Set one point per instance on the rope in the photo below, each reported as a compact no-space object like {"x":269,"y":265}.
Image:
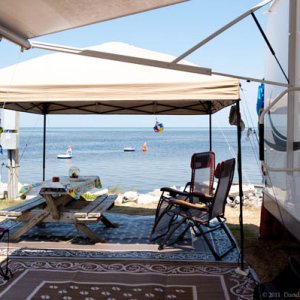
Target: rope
{"x":269,"y":46}
{"x":233,"y":153}
{"x":254,"y":149}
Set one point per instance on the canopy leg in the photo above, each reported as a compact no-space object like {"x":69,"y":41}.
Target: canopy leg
{"x":239,"y":166}
{"x":44,"y":147}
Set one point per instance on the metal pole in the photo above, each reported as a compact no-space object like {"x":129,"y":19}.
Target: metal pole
{"x":224,"y":28}
{"x":239,"y":167}
{"x":44,"y":147}
{"x":210,"y":134}
{"x":146,"y":62}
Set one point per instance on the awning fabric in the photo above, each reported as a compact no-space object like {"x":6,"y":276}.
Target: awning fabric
{"x":69,"y":84}
{"x":31,"y":18}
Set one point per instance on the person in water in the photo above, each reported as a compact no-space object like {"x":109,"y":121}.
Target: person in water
{"x":69,"y":150}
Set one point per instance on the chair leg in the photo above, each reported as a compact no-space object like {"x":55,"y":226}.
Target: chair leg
{"x":5,"y":272}
{"x":173,"y":218}
{"x":182,"y":234}
{"x":170,"y":233}
{"x":166,"y":212}
{"x":209,"y":244}
{"x":157,"y":214}
{"x":228,"y":234}
{"x":216,"y":255}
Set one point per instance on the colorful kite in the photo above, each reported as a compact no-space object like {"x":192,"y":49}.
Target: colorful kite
{"x":158,"y":127}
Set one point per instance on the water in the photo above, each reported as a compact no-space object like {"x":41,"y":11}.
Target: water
{"x":99,"y":151}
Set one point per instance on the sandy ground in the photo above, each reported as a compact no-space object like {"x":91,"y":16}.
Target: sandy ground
{"x":251,"y":215}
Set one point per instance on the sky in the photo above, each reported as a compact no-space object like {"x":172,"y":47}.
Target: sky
{"x":171,"y":30}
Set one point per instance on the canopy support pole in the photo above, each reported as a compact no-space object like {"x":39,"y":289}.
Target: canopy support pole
{"x":224,"y":28}
{"x":122,"y":58}
{"x":210,"y":133}
{"x":146,"y":62}
{"x":44,"y":142}
{"x":239,"y":167}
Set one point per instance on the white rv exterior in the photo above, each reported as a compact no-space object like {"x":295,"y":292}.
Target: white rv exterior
{"x":282,"y":123}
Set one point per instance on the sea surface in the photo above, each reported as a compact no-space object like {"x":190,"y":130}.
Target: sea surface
{"x":99,"y":151}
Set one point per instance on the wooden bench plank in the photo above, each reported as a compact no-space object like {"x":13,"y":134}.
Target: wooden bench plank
{"x":17,"y":210}
{"x":92,"y":205}
{"x":33,"y":221}
{"x":96,"y":208}
{"x":102,"y":207}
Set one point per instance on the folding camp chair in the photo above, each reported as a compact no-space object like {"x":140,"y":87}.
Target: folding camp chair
{"x":5,"y":271}
{"x":205,"y":218}
{"x":202,"y":178}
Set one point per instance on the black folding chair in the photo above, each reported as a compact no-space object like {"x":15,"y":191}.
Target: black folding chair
{"x":202,"y":179}
{"x":205,"y":218}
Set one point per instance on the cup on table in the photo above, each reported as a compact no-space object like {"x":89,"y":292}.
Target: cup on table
{"x":55,"y":179}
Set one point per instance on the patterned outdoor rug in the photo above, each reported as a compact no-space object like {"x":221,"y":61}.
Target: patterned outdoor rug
{"x":129,"y":241}
{"x":95,"y":279}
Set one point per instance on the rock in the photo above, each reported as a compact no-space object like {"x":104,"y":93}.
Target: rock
{"x":146,"y":199}
{"x":247,"y":190}
{"x":130,"y":196}
{"x":155,"y":193}
{"x":119,"y":200}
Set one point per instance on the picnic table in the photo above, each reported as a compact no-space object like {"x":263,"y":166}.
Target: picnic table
{"x":62,"y":202}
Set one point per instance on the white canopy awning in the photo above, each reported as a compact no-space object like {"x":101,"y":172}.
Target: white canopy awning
{"x":21,"y":20}
{"x":69,"y":84}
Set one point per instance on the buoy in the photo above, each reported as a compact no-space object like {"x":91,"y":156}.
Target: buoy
{"x":144,"y":147}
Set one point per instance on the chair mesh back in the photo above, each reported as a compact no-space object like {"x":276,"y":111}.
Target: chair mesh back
{"x":203,"y":165}
{"x":225,"y":174}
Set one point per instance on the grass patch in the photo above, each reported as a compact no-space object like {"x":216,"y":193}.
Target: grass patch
{"x":267,"y":257}
{"x":250,"y":231}
{"x":142,"y":211}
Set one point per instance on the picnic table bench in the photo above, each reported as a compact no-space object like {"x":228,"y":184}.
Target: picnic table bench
{"x":57,"y":206}
{"x":16,"y":211}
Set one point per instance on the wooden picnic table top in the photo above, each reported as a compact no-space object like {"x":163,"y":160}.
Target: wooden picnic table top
{"x":75,"y":187}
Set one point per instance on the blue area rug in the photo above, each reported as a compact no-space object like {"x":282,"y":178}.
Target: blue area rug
{"x":132,"y":230}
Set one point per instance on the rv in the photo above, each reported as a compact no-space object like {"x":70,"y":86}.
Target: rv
{"x":281,"y":147}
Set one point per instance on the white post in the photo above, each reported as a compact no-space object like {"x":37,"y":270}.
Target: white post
{"x":10,"y":141}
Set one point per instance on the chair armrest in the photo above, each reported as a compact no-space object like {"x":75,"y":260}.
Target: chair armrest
{"x":174,"y":192}
{"x":190,"y":205}
{"x":205,"y":198}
